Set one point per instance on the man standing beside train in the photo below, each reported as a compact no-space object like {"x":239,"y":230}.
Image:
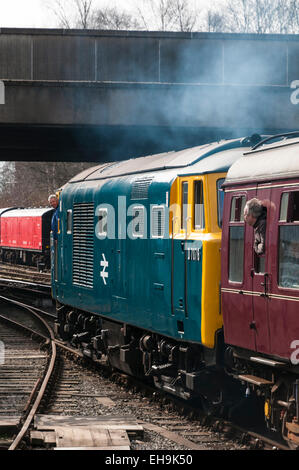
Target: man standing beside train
{"x":255,"y":214}
{"x":53,"y":201}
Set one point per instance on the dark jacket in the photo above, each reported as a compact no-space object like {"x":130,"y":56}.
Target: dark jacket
{"x":54,"y":224}
{"x":260,"y":233}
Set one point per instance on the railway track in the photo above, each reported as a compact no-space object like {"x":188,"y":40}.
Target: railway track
{"x":24,"y":372}
{"x":24,"y":273}
{"x":81,"y":388}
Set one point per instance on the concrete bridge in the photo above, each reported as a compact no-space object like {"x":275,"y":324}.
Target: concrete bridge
{"x":102,"y":95}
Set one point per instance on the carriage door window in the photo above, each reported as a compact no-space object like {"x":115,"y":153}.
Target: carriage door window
{"x":288,"y":271}
{"x":236,"y":239}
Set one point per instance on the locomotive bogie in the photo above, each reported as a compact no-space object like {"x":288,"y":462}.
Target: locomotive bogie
{"x":174,"y":366}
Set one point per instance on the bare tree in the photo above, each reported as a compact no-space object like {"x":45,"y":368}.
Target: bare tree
{"x":185,"y":17}
{"x":83,"y":14}
{"x":84,"y":8}
{"x":6,"y":184}
{"x":215,"y":22}
{"x":112,"y":18}
{"x":258,"y":16}
{"x":29,"y":184}
{"x":167,"y":15}
{"x":156,"y":14}
{"x":73,"y":13}
{"x":287,"y":16}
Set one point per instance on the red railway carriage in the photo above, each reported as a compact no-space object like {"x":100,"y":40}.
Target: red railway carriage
{"x":260,"y":293}
{"x":25,"y":235}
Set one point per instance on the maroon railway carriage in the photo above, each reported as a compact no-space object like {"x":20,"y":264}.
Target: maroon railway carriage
{"x":260,"y":294}
{"x":25,"y":236}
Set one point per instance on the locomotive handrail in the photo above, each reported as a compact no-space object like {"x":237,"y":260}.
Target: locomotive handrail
{"x":276,"y":136}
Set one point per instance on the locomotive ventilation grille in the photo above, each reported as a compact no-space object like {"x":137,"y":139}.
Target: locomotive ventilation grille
{"x":83,"y":244}
{"x":140,"y":188}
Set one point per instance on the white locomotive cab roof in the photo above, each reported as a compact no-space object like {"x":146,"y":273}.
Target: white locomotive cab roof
{"x":269,"y":162}
{"x":162,"y":161}
{"x":38,"y":212}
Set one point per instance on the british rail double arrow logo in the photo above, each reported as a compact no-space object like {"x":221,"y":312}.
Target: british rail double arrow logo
{"x":105,"y":265}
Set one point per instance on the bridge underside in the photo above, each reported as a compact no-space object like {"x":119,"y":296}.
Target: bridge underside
{"x":99,"y":96}
{"x":105,"y":143}
{"x":44,"y":121}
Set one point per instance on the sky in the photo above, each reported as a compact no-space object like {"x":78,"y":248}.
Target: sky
{"x":36,"y":13}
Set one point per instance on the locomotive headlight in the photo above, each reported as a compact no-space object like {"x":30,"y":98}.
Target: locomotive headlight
{"x":267,"y":409}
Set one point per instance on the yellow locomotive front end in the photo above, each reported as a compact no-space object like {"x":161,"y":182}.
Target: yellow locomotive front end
{"x":195,"y":228}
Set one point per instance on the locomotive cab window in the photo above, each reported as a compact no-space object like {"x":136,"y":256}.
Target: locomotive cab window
{"x":236,"y":239}
{"x":198,"y":208}
{"x":288,"y":246}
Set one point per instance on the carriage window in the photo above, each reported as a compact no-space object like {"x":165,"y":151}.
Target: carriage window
{"x":69,"y":221}
{"x":138,"y":222}
{"x":237,"y":209}
{"x":289,"y":208}
{"x":236,"y":253}
{"x":220,"y":200}
{"x":184,"y":211}
{"x":284,"y":207}
{"x":103,"y":216}
{"x":289,"y":256}
{"x":198,"y":210}
{"x":288,"y":273}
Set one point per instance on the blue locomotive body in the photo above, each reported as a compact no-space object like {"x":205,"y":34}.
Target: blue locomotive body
{"x":126,"y":278}
{"x":137,"y":263}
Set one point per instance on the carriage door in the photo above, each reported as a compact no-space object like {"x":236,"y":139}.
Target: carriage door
{"x":178,"y":280}
{"x":261,"y":280}
{"x":236,"y":283}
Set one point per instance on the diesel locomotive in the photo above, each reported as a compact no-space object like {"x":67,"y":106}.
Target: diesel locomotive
{"x":154,"y":268}
{"x":137,"y":264}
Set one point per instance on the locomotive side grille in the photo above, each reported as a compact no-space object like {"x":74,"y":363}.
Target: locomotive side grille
{"x":140,"y":188}
{"x":83,"y":244}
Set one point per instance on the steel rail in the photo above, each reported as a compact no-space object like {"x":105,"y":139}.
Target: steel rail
{"x":42,"y":389}
{"x":47,"y":376}
{"x":223,"y":423}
